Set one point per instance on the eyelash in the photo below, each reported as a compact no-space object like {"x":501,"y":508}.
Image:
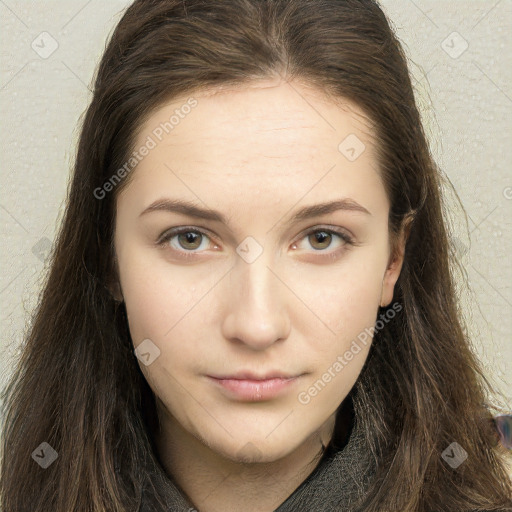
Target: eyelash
{"x":165,"y":237}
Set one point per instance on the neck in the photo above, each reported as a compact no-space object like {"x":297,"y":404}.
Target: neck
{"x":214,"y":483}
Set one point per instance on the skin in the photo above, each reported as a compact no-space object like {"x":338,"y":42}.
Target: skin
{"x":257,"y":154}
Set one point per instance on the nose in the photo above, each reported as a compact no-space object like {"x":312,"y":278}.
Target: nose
{"x":257,"y":314}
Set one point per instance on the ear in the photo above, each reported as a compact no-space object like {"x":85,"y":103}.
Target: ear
{"x":114,"y":286}
{"x":115,"y":291}
{"x":395,"y":263}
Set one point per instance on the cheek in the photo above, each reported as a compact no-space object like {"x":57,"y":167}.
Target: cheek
{"x":345,"y":297}
{"x":348,"y":304}
{"x":149,"y":300}
{"x":166,"y":306}
{"x":349,"y":308}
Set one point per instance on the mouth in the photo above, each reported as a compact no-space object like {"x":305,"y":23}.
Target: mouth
{"x":251,"y":389}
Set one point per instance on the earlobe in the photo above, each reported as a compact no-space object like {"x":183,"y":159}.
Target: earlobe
{"x":392,"y":273}
{"x":396,"y":260}
{"x":115,"y":291}
{"x":114,"y":287}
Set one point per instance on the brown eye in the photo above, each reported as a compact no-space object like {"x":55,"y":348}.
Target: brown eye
{"x":185,"y":241}
{"x":323,"y":241}
{"x":322,"y":238}
{"x":190,"y":239}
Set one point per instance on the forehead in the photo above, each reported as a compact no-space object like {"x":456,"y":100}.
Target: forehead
{"x":275,"y":114}
{"x":267,"y":136}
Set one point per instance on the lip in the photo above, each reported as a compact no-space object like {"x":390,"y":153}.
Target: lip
{"x":248,"y":375}
{"x":254,"y":390}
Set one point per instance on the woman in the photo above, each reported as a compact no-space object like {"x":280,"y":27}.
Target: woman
{"x":250,"y":305}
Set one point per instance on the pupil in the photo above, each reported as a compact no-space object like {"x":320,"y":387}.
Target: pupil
{"x":322,"y":235}
{"x":190,"y":237}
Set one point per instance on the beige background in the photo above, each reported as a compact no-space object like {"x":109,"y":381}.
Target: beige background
{"x":460,"y":53}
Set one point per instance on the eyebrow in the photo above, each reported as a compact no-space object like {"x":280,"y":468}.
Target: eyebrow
{"x":192,"y":210}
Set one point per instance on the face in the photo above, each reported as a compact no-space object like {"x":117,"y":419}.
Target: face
{"x":254,"y":290}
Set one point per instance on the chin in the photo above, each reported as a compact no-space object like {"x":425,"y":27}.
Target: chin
{"x":250,"y":452}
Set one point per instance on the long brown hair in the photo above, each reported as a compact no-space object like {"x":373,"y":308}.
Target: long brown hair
{"x":78,"y":386}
